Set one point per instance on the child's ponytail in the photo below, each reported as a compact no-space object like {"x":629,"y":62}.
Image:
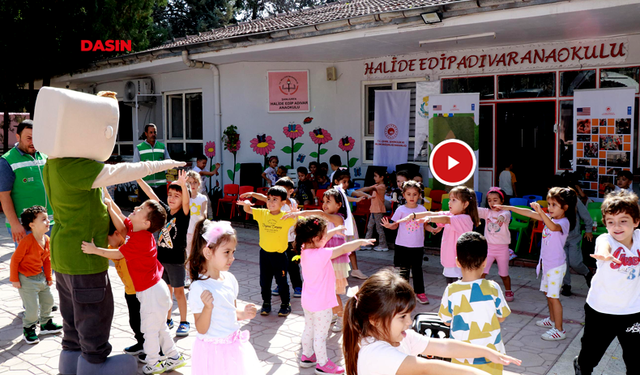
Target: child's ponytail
{"x":351,"y":336}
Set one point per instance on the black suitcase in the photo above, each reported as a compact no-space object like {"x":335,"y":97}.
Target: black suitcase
{"x":429,"y":324}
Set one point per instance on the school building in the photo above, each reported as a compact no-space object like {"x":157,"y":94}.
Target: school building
{"x":524,"y":57}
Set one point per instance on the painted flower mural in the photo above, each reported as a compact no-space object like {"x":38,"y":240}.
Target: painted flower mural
{"x":263,"y":144}
{"x":210,"y":152}
{"x":231,"y":139}
{"x":320,"y":137}
{"x":293,"y":131}
{"x":346,"y":144}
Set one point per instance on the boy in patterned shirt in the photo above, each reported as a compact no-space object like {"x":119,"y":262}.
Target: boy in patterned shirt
{"x":474,"y":307}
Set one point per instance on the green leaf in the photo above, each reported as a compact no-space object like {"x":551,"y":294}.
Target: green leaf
{"x":286,"y":149}
{"x":287,"y":166}
{"x":230,"y":174}
{"x":352,"y":162}
{"x":238,"y":166}
{"x":323,"y":151}
{"x":297,"y":146}
{"x":313,"y":154}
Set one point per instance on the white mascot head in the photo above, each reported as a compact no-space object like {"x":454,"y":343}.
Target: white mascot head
{"x":73,"y":124}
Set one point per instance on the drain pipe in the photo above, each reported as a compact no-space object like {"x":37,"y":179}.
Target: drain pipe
{"x":217,"y":118}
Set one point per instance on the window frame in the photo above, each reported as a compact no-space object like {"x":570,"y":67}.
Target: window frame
{"x":365,"y":110}
{"x":165,"y":114}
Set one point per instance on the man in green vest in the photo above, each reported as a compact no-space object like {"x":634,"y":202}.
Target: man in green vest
{"x":21,"y":184}
{"x":152,"y":150}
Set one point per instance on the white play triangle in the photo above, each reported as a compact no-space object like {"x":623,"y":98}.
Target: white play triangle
{"x":452,"y":162}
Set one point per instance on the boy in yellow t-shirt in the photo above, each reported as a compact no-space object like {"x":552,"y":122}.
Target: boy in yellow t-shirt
{"x":273,"y":244}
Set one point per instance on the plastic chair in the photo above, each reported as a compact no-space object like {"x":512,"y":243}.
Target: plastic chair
{"x":445,"y":204}
{"x":519,"y":223}
{"x":519,"y":202}
{"x":427,"y":203}
{"x":427,"y":191}
{"x":596,"y":215}
{"x":363,"y":208}
{"x":532,"y":198}
{"x":479,"y":197}
{"x":436,"y":199}
{"x":445,"y":196}
{"x":234,"y":204}
{"x":319,"y":195}
{"x":543,"y":204}
{"x":230,"y":195}
{"x":591,"y":205}
{"x":261,"y":204}
{"x":537,"y":230}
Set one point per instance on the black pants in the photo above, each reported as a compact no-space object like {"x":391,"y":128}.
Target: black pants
{"x":274,"y":265}
{"x":134,"y":316}
{"x":600,"y":330}
{"x":86,"y":306}
{"x":409,"y":259}
{"x":294,"y":267}
{"x":161,"y":192}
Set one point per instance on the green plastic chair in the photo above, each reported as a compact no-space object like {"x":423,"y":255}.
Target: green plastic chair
{"x":596,"y":215}
{"x":594,"y":205}
{"x":519,"y":223}
{"x":445,"y":204}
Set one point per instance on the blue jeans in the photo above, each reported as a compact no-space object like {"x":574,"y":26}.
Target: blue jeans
{"x":27,"y":232}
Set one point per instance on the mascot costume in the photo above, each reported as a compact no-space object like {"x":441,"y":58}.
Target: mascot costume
{"x":78,"y":132}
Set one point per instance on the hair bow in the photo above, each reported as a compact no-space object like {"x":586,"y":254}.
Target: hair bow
{"x":216,"y":230}
{"x":496,"y":190}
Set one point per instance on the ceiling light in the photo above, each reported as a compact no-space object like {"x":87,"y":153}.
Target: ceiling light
{"x":431,"y":17}
{"x":457,"y":38}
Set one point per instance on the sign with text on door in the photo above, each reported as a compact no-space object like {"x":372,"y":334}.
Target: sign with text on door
{"x":288,"y":91}
{"x":602,"y":128}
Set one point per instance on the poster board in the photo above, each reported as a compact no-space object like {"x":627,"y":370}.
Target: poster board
{"x":288,"y":91}
{"x":603,"y":136}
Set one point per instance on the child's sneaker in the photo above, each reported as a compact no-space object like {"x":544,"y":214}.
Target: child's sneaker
{"x":285,"y":310}
{"x":422,"y":298}
{"x":381,"y":248}
{"x":134,"y":349}
{"x":508,"y":296}
{"x":30,"y":336}
{"x":337,"y":327}
{"x":170,"y":323}
{"x":183,"y":329}
{"x":50,"y":327}
{"x":171,"y":364}
{"x":545,"y":323}
{"x":266,"y":309}
{"x":297,"y":292}
{"x":142,"y":358}
{"x":157,"y":368}
{"x":308,"y":361}
{"x":358,"y":275}
{"x":329,"y":368}
{"x":554,"y":335}
{"x":275,"y":292}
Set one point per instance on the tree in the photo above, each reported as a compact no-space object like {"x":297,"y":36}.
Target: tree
{"x":254,"y":9}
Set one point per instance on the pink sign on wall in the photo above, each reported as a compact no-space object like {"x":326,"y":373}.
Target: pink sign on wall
{"x":289,"y":91}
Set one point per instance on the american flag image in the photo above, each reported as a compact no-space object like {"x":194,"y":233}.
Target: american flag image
{"x":437,"y":108}
{"x":584,"y":111}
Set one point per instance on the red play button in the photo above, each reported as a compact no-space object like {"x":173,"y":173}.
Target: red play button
{"x":452,"y":162}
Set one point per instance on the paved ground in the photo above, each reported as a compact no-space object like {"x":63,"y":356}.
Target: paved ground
{"x":277,"y":340}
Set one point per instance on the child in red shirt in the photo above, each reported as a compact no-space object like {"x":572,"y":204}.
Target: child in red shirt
{"x":31,"y":274}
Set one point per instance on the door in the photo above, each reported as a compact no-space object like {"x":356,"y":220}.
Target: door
{"x":525,"y":138}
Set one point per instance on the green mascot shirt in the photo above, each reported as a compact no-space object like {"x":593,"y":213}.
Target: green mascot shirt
{"x":79,"y":213}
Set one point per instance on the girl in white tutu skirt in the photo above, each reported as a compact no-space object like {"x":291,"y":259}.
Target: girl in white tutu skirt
{"x":220,"y":347}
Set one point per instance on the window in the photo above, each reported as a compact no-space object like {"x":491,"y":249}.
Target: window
{"x":124,"y":140}
{"x":184,"y":125}
{"x":620,"y":77}
{"x":483,"y":85}
{"x":578,"y":79}
{"x":485,"y":133}
{"x":370,"y":111}
{"x":517,"y":86}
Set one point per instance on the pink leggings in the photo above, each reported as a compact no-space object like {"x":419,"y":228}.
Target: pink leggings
{"x":500,"y":254}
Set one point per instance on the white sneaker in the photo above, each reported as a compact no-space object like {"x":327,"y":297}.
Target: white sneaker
{"x":545,"y":323}
{"x":171,"y":364}
{"x":358,"y":275}
{"x":554,"y":335}
{"x":337,"y":327}
{"x":381,"y":248}
{"x":157,"y":368}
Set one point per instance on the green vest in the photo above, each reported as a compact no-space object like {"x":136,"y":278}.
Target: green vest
{"x":28,"y":187}
{"x":155,"y":153}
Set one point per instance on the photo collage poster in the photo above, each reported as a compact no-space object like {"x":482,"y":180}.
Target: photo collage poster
{"x":603,"y":128}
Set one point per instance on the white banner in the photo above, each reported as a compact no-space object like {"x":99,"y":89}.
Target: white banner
{"x":391,"y":121}
{"x":455,"y":116}
{"x":603,"y":124}
{"x":423,"y":91}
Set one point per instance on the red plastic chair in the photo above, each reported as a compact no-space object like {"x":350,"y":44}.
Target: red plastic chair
{"x":319,"y":195}
{"x":257,"y":203}
{"x":537,"y":230}
{"x":363,"y":208}
{"x":234,"y":204}
{"x":230,"y":195}
{"x":436,"y":199}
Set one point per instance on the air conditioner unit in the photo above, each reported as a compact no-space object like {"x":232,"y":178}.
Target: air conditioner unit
{"x":140,"y":88}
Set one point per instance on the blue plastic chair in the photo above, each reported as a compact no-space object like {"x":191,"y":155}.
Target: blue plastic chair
{"x":519,"y":202}
{"x":532,"y":198}
{"x":479,"y":197}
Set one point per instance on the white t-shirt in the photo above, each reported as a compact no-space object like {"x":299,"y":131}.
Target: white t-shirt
{"x":197,"y":212}
{"x":224,"y":320}
{"x":381,"y":358}
{"x":506,"y":182}
{"x":271,"y":175}
{"x":287,"y":208}
{"x":615,"y":288}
